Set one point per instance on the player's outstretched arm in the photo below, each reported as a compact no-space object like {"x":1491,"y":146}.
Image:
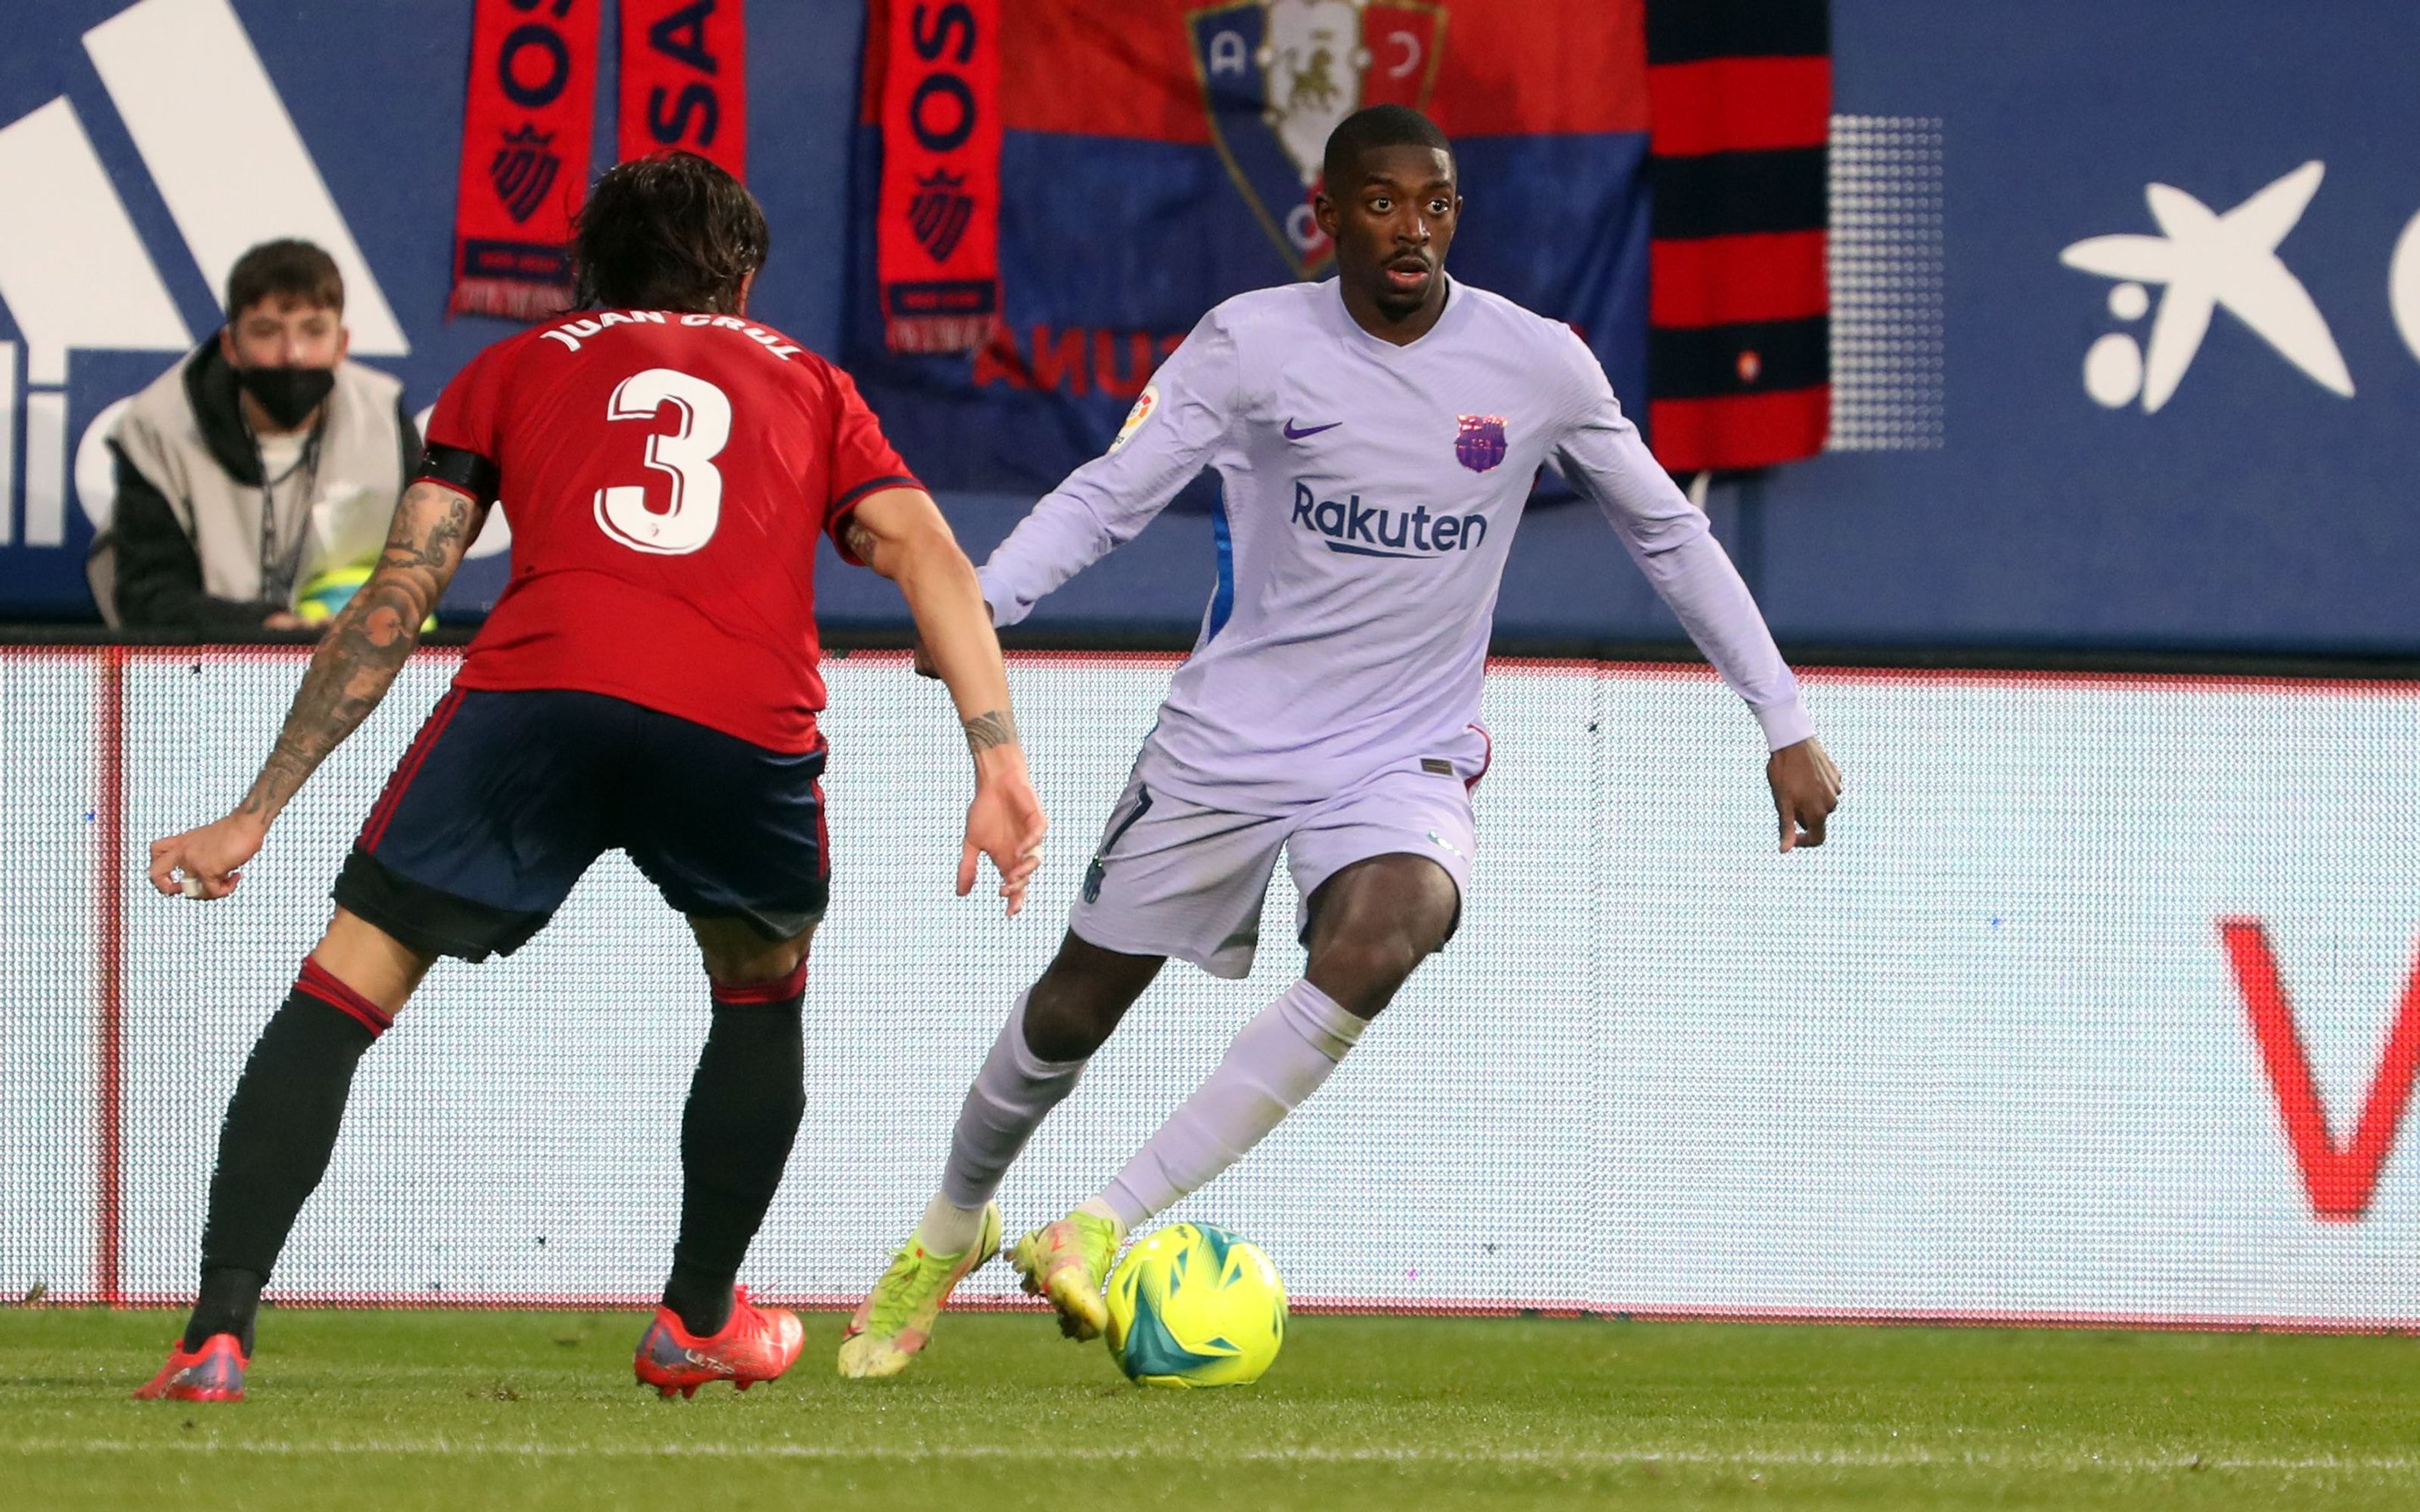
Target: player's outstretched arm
{"x":1174,"y":430}
{"x":350,"y":671}
{"x":900,"y":533}
{"x":1668,"y":537}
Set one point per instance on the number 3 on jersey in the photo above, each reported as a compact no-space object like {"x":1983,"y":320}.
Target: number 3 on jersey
{"x":687,"y":455}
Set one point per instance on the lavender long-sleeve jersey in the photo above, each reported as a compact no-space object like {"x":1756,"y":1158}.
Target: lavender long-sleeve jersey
{"x":1370,"y":495}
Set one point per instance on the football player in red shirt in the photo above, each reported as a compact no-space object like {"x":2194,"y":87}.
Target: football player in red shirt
{"x":648,"y":680}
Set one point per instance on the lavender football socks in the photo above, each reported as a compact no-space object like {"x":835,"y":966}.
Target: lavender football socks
{"x":1013,"y":1093}
{"x":1279,"y":1059}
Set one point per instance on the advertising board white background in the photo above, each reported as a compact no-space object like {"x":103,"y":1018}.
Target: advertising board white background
{"x":1983,"y":1055}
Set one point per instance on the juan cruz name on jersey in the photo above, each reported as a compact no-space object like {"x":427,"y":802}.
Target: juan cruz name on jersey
{"x":1371,"y":532}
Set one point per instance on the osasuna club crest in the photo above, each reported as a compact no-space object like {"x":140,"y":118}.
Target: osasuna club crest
{"x":939,"y":212}
{"x":523,"y":170}
{"x":1278,"y":76}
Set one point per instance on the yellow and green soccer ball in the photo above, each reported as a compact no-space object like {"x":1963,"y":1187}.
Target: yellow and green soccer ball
{"x":326,"y":594}
{"x":1193,"y":1305}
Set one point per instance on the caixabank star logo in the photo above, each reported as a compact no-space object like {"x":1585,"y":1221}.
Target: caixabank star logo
{"x":1278,"y":75}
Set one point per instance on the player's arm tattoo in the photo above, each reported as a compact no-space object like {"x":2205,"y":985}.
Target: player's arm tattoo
{"x":358,"y":658}
{"x":861,"y":543}
{"x":985,"y":730}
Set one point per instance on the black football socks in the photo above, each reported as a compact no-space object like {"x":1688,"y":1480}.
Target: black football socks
{"x":744,"y":1108}
{"x":281,"y":1127}
{"x":745,"y":1105}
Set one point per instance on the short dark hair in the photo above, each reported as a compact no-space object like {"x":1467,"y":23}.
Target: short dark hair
{"x":672,"y":231}
{"x":1379,"y":126}
{"x":289,"y":268}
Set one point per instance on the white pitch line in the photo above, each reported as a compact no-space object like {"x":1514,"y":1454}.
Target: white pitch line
{"x":1305,"y":1454}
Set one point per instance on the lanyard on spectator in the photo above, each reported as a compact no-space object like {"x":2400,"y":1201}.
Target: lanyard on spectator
{"x":277,"y":568}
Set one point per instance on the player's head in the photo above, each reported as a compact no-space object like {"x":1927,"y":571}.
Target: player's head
{"x":668,"y":232}
{"x":1391,"y":203}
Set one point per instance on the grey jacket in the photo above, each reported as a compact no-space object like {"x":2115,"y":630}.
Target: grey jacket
{"x":185,"y":548}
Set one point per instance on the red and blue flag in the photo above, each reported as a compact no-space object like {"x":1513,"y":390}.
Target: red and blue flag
{"x":1155,"y":157}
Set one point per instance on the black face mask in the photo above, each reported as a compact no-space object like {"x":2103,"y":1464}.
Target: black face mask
{"x":289,"y":393}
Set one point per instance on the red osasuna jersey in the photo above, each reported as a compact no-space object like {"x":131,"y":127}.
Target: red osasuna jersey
{"x":665,"y":475}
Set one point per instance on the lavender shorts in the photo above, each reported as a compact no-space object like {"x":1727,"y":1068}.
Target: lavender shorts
{"x":1174,"y":878}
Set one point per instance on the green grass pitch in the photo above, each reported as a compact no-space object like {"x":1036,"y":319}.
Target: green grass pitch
{"x":354,"y":1411}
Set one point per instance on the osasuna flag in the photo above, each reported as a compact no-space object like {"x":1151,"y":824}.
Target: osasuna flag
{"x":1159,"y":156}
{"x":1740,"y":364}
{"x":525,"y":141}
{"x":683,"y":81}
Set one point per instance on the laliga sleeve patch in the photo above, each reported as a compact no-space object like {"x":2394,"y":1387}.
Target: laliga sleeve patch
{"x":1143,"y":410}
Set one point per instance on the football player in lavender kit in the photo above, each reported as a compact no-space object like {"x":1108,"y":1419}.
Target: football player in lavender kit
{"x":1377,"y":436}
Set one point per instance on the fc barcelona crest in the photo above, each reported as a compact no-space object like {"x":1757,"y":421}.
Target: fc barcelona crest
{"x":523,"y":170}
{"x":1479,"y":445}
{"x":1278,"y":75}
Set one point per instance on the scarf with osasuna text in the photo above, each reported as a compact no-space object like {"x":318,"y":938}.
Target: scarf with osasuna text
{"x":932,"y":82}
{"x":526,"y":130}
{"x":685,"y":80}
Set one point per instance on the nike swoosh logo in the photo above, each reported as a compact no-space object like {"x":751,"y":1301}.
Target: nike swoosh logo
{"x":1293,"y":435}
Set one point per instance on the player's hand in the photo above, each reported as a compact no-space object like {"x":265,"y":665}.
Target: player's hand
{"x":1005,"y":823}
{"x":1806,"y":790}
{"x":282,"y":620}
{"x":203,"y":863}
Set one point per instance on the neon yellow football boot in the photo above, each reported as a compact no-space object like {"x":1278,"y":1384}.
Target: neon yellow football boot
{"x":895,"y":1321}
{"x":1068,"y":1262}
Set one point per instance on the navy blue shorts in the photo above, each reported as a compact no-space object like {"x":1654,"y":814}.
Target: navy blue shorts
{"x":505,"y":798}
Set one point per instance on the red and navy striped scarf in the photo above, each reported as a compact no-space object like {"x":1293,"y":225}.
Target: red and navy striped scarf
{"x":1739,"y":366}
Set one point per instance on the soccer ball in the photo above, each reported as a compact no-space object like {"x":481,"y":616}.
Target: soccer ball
{"x":1193,"y":1305}
{"x":326,"y":594}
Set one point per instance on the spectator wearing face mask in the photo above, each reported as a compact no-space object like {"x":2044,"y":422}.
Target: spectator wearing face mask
{"x":258,"y":461}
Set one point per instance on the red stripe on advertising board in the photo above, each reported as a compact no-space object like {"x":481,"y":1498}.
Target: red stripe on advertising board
{"x":108,"y":824}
